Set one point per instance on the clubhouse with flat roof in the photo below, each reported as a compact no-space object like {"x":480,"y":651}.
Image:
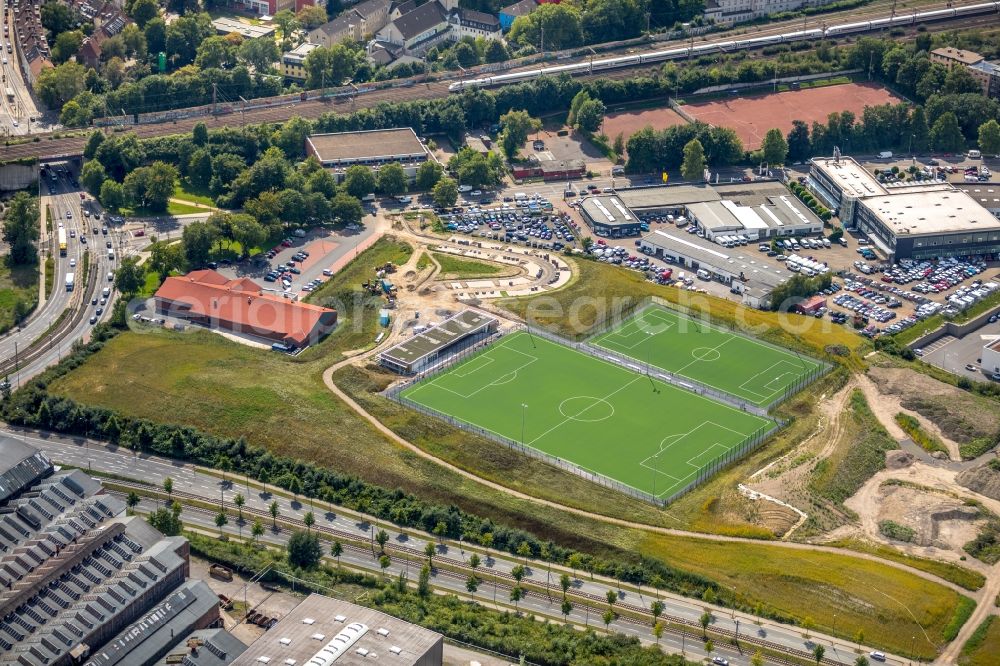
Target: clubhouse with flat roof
{"x":429,"y":346}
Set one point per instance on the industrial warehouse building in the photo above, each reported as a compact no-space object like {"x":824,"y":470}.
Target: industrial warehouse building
{"x":609,"y":217}
{"x":74,"y":570}
{"x":371,"y":148}
{"x":744,"y":272}
{"x":906,"y":221}
{"x":428,"y":347}
{"x":322,"y":630}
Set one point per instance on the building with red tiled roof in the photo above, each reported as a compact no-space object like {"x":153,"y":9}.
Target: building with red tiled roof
{"x":208,"y":298}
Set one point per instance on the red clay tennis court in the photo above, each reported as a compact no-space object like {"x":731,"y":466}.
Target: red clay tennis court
{"x":753,"y":116}
{"x":628,"y":123}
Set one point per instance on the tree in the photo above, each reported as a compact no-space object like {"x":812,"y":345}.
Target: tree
{"x":818,"y":652}
{"x":286,"y":22}
{"x":66,"y":46}
{"x":257,"y":530}
{"x":381,"y":538}
{"x":709,"y":647}
{"x":429,"y":552}
{"x":693,"y":167}
{"x":495,"y":51}
{"x":216,"y":52}
{"x":472,"y":584}
{"x":567,"y":608}
{"x":246,"y":231}
{"x":130,"y":277}
{"x":989,"y":137}
{"x":57,"y":17}
{"x":112,"y":195}
{"x":330,"y":66}
{"x":221,"y":521}
{"x":274,"y":510}
{"x":704,"y":621}
{"x":516,"y":594}
{"x":311,"y":16}
{"x":424,"y":581}
{"x":346,"y":209}
{"x":590,"y":115}
{"x":151,"y":187}
{"x":658,"y":631}
{"x":384,"y":563}
{"x":291,"y":137}
{"x":304,"y":550}
{"x":94,"y":142}
{"x":167,"y":520}
{"x":859,"y":638}
{"x":260,"y":54}
{"x":774,"y":149}
{"x":515,"y":126}
{"x":143,"y":11}
{"x":120,"y":154}
{"x":656,"y":608}
{"x":757,"y":659}
{"x":564,"y":583}
{"x":199,"y":170}
{"x":608,"y":617}
{"x":199,"y":134}
{"x":337,"y":549}
{"x":799,"y":148}
{"x":198,"y":237}
{"x":946,"y":135}
{"x":58,"y":85}
{"x":445,"y":193}
{"x":960,"y":80}
{"x":861,"y":661}
{"x":20,"y":228}
{"x":156,"y":35}
{"x":808,"y":624}
{"x":392,"y":179}
{"x":474,"y":562}
{"x":560,"y":24}
{"x":524,"y":550}
{"x":518,"y":572}
{"x":132,"y":501}
{"x":239,"y":501}
{"x":359,"y":181}
{"x":428,"y":174}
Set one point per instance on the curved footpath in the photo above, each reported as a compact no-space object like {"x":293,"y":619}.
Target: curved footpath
{"x":388,"y":432}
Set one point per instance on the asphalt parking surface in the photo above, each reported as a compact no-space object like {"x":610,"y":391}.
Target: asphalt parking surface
{"x":953,"y":355}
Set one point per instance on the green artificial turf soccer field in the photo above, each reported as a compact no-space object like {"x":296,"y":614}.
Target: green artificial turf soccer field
{"x":599,"y":416}
{"x":690,"y":348}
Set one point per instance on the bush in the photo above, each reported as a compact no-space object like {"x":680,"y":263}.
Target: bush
{"x":921,"y":437}
{"x":894,"y":530}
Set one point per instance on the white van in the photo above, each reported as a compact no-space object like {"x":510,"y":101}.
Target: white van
{"x":975,"y":154}
{"x":885,"y":155}
{"x":680,"y":276}
{"x":826,"y":242}
{"x":371,"y":197}
{"x":520,"y":196}
{"x":703,"y":274}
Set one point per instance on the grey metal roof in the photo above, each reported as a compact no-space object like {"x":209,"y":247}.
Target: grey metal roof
{"x":20,"y":465}
{"x":442,"y":336}
{"x":164,"y":626}
{"x":204,"y":647}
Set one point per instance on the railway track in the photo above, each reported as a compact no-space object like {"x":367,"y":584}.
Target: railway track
{"x":49,"y":147}
{"x":460,"y":571}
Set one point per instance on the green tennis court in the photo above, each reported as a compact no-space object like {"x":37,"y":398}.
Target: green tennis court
{"x":603,"y":418}
{"x":691,"y":348}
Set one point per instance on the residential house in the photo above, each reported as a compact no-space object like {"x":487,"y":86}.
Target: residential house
{"x":512,"y":12}
{"x":419,"y":30}
{"x":736,"y":11}
{"x":293,"y":62}
{"x":29,"y":33}
{"x":986,"y":73}
{"x":472,"y":23}
{"x":356,"y":23}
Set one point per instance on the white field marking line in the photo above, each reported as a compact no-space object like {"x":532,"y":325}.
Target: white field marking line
{"x":484,"y":352}
{"x":698,"y":360}
{"x":639,"y":332}
{"x":780,"y":386}
{"x":701,"y":322}
{"x":494,"y":382}
{"x":681,"y":436}
{"x":478,"y":366}
{"x":768,"y":370}
{"x":605,"y":398}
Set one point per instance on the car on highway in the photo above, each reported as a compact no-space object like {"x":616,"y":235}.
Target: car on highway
{"x":72,"y":263}
{"x":93,"y":301}
{"x":83,"y":239}
{"x":99,"y":311}
{"x":971,"y":367}
{"x":108,"y":244}
{"x":720,"y":661}
{"x":69,"y":215}
{"x":877,"y":655}
{"x":111,"y":276}
{"x":93,"y":319}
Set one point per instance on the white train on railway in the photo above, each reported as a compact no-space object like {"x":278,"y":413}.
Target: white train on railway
{"x":734,"y":45}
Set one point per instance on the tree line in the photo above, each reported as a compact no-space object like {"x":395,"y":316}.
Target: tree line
{"x":34,"y":406}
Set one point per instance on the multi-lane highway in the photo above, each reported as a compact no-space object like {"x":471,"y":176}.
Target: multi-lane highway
{"x":17,"y":108}
{"x":406,"y":548}
{"x":66,"y":315}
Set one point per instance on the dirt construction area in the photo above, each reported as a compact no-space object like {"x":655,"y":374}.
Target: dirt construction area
{"x":753,"y":116}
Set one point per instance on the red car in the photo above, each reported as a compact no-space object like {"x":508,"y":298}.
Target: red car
{"x":286,"y":243}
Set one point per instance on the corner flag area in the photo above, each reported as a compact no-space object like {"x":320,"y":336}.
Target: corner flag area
{"x":690,"y":348}
{"x":599,"y":417}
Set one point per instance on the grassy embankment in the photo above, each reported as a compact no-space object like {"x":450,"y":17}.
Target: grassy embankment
{"x":283,"y":404}
{"x":458,"y":267}
{"x":17,"y":285}
{"x":983,"y":646}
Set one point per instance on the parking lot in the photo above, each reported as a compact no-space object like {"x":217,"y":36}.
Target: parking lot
{"x":961,"y":356}
{"x":522,"y":219}
{"x":299,"y":264}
